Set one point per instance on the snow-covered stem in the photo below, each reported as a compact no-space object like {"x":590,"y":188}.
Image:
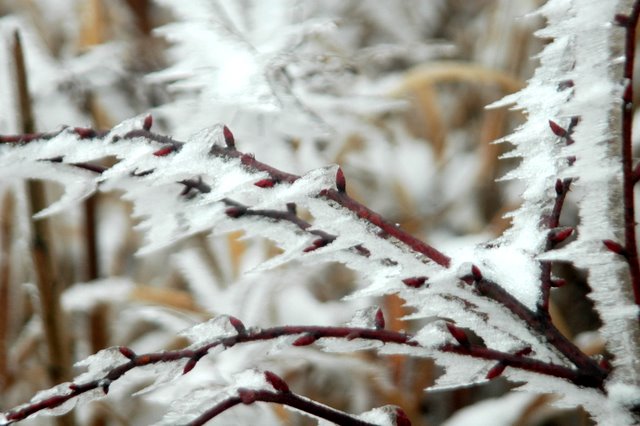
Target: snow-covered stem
{"x":538,"y":321}
{"x":307,"y":335}
{"x":249,"y":396}
{"x":630,"y":23}
{"x":541,"y":322}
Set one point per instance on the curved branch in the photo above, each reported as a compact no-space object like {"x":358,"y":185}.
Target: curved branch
{"x":249,"y":396}
{"x":308,"y":335}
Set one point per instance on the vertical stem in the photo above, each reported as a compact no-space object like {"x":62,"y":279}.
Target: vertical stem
{"x":91,"y":237}
{"x":627,"y":160}
{"x":6,"y":222}
{"x":59,"y":368}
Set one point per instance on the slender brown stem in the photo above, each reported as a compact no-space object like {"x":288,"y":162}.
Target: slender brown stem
{"x":91,"y":237}
{"x":59,"y":368}
{"x":6,"y":237}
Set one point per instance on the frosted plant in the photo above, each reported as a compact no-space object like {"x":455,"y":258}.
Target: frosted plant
{"x":484,"y":309}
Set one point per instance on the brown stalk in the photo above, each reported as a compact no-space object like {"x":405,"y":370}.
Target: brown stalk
{"x":6,"y":236}
{"x":59,"y":363}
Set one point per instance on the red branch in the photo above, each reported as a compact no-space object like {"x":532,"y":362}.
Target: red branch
{"x":310,"y":334}
{"x":629,"y":177}
{"x":343,"y":200}
{"x":249,"y":396}
{"x":588,"y":373}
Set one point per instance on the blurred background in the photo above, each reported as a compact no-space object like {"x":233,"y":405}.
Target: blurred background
{"x":393,"y":92}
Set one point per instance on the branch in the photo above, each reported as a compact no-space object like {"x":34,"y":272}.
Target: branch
{"x":283,"y":396}
{"x":307,"y":336}
{"x":630,"y":23}
{"x":537,"y":322}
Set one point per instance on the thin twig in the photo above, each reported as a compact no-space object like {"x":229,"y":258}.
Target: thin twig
{"x":630,"y":244}
{"x":308,"y":335}
{"x":249,"y":396}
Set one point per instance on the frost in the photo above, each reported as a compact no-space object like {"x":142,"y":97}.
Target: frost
{"x":85,"y":296}
{"x":365,"y":318}
{"x":503,"y":411}
{"x":209,"y":331}
{"x":331,"y":344}
{"x":161,"y":374}
{"x":99,"y":364}
{"x":381,"y":416}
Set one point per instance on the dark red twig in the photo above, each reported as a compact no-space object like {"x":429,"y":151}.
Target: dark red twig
{"x":345,"y":201}
{"x":630,"y":23}
{"x":309,"y":335}
{"x":249,"y":396}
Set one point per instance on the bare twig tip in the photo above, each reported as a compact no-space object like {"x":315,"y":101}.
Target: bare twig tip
{"x":276,"y":381}
{"x":379,"y":320}
{"x":459,"y":334}
{"x":414,"y":282}
{"x":341,"y":182}
{"x":189,"y":365}
{"x":238,"y":325}
{"x":265,"y":183}
{"x":615,"y":247}
{"x":496,"y":371}
{"x":477,"y":274}
{"x":147,"y":123}
{"x":127,"y":352}
{"x":305,"y":340}
{"x":162,"y":152}
{"x":557,"y":130}
{"x":229,"y":139}
{"x":559,"y":236}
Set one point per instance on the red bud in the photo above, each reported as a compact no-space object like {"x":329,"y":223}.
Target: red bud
{"x":415,"y":282}
{"x":622,"y":20}
{"x":265,"y":183}
{"x":316,"y":244}
{"x":477,"y":274}
{"x":235,"y":212}
{"x":459,"y":335}
{"x":276,"y":381}
{"x":248,"y":396}
{"x":163,"y":151}
{"x":496,"y":371}
{"x":189,"y":365}
{"x":362,"y":250}
{"x":379,"y":320}
{"x":401,"y":418}
{"x":228,"y":137}
{"x":305,"y":340}
{"x":524,"y":351}
{"x":559,"y":282}
{"x":148,"y":122}
{"x":341,"y":182}
{"x":615,"y":247}
{"x":557,"y":130}
{"x":557,"y":237}
{"x":127,"y":352}
{"x":84,"y":132}
{"x":238,"y":325}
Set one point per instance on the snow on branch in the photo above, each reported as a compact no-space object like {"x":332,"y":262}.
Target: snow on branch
{"x":193,"y":183}
{"x":484,"y":311}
